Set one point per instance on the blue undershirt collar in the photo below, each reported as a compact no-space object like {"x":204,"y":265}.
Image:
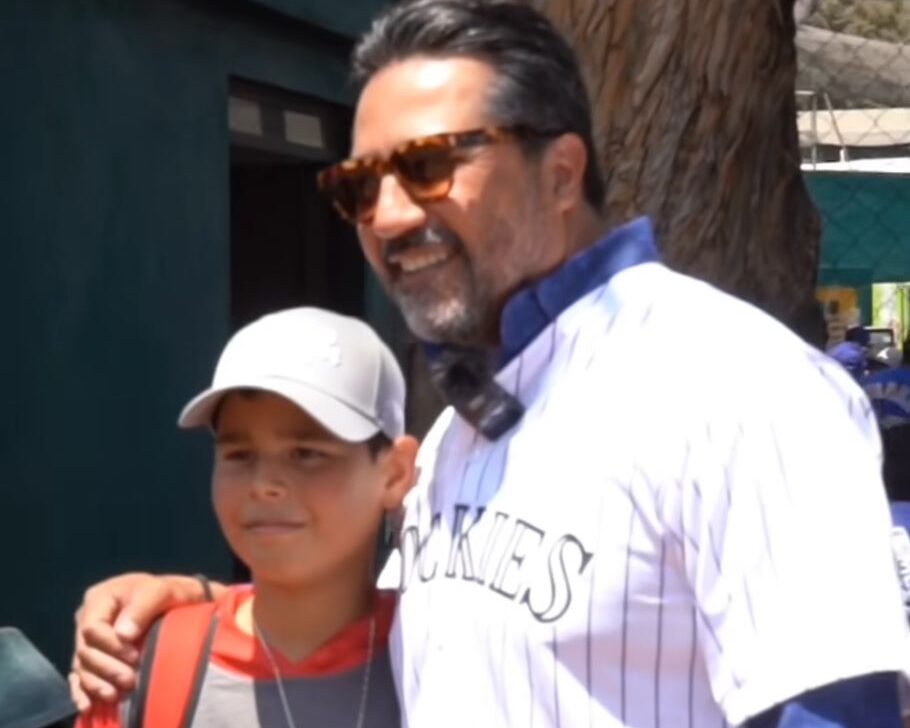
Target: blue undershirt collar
{"x":534,"y":308}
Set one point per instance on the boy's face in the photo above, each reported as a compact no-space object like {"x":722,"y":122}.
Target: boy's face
{"x":297,"y":504}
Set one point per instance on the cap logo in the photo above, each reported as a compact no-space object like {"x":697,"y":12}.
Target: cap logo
{"x":318,"y":344}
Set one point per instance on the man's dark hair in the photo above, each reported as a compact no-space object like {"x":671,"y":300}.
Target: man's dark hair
{"x":540,"y":82}
{"x":905,"y":354}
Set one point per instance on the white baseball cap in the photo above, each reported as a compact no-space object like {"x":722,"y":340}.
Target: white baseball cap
{"x":334,"y":367}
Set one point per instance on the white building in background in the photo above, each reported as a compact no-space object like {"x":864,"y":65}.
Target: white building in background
{"x":871,"y":127}
{"x":884,"y":165}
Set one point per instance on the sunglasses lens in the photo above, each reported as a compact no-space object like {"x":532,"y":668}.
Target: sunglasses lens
{"x":353,"y":190}
{"x":425,"y":170}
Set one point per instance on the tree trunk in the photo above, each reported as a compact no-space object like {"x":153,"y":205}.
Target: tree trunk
{"x":695,"y":114}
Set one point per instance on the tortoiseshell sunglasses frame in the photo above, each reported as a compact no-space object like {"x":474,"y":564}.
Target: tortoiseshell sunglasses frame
{"x":381,"y":165}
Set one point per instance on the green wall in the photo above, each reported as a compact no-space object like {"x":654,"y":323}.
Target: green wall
{"x":349,"y":17}
{"x":114,"y":210}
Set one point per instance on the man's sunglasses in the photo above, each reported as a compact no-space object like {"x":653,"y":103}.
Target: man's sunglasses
{"x":424,"y":167}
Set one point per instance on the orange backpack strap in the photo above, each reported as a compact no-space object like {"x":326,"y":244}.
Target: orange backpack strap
{"x":173,"y":667}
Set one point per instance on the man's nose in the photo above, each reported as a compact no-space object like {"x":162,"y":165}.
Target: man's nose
{"x":396,"y":212}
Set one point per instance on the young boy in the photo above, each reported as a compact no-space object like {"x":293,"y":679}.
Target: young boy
{"x":307,"y":411}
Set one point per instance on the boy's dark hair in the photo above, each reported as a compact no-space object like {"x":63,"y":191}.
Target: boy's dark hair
{"x":378,"y":443}
{"x":540,"y":83}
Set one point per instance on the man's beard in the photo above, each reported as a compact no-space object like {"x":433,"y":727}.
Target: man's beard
{"x":458,"y":310}
{"x":460,"y":318}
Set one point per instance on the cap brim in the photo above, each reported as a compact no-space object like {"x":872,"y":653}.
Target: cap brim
{"x":339,"y":418}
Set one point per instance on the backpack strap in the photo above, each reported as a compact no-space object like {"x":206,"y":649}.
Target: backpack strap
{"x":173,"y":667}
{"x":140,"y":694}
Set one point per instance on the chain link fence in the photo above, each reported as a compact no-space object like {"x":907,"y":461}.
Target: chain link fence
{"x":853,"y":117}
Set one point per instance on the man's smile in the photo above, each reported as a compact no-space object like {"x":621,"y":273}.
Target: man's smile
{"x":419,"y":258}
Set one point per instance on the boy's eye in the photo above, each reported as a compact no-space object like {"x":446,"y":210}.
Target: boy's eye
{"x":307,"y":455}
{"x":236,"y":455}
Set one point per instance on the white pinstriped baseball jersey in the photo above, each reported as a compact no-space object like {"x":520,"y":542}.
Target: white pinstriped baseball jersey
{"x":687,"y":527}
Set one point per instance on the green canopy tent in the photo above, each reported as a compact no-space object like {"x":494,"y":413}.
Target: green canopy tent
{"x":865,"y":223}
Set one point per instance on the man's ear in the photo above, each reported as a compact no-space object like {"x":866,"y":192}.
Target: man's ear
{"x":565,"y":164}
{"x":400,"y":463}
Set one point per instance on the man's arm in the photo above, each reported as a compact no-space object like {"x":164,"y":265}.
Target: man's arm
{"x":110,"y":624}
{"x":787,"y":548}
{"x":869,"y":701}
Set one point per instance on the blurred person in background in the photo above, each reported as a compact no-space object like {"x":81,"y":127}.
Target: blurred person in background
{"x":852,"y":351}
{"x":889,"y":392}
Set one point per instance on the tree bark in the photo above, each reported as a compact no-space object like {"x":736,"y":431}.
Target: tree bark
{"x":694,"y":110}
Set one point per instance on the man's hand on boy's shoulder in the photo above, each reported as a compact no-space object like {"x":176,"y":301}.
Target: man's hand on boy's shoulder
{"x":110,"y":624}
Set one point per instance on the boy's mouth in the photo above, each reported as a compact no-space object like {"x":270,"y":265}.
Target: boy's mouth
{"x":273,"y":526}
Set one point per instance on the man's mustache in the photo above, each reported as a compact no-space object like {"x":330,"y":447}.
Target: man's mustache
{"x":427,"y":236}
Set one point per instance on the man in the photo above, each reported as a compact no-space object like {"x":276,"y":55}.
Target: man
{"x":591,"y":542}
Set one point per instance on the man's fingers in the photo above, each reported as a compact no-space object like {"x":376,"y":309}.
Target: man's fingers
{"x":104,"y":660}
{"x":146,"y":603}
{"x":97,"y":669}
{"x":102,"y":637}
{"x":98,"y":605}
{"x":78,"y":695}
{"x":93,"y":687}
{"x":113,"y":617}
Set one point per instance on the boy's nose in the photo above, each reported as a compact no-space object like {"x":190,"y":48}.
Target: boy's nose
{"x":267,"y":482}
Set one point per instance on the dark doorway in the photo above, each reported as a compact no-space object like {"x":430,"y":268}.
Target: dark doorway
{"x":287,"y":246}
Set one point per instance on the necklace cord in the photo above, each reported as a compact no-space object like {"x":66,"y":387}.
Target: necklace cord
{"x":279,"y":682}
